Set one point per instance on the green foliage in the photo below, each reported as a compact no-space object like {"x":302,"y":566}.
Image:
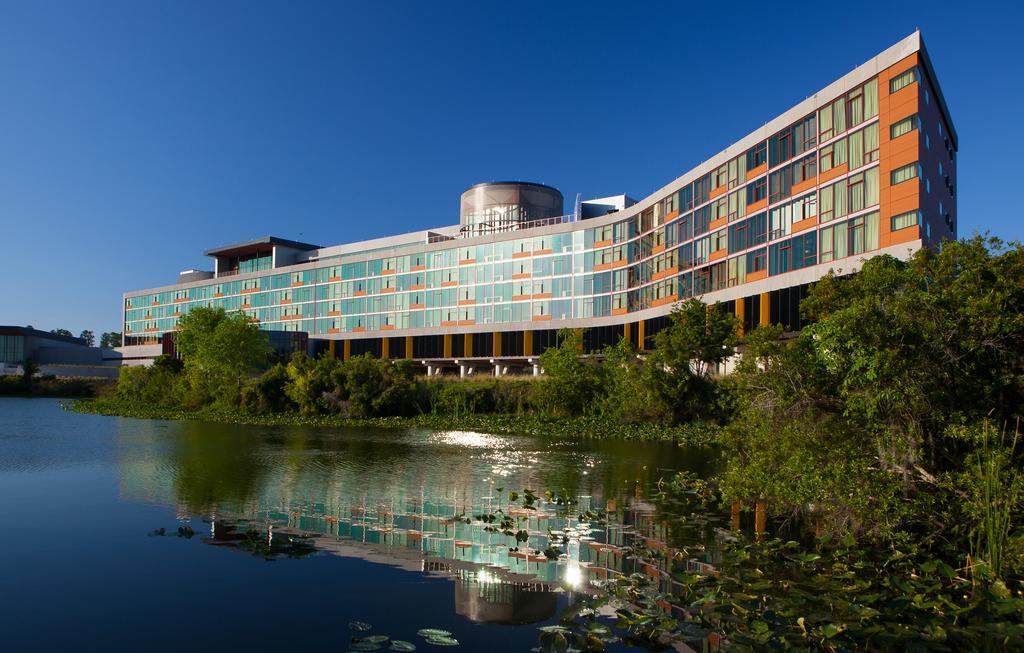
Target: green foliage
{"x":314,"y":385}
{"x":152,"y":386}
{"x":628,"y":392}
{"x":49,"y":386}
{"x":110,"y":339}
{"x":378,"y":388}
{"x":61,"y":332}
{"x":839,"y":597}
{"x":268,"y":393}
{"x":220,"y":352}
{"x":571,"y":383}
{"x":868,"y":420}
{"x":687,"y":353}
{"x":29,"y":369}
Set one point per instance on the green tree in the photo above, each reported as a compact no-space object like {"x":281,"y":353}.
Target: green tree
{"x":627,"y":392}
{"x":863,"y":419}
{"x":61,"y":332}
{"x":29,"y":369}
{"x":88,"y":337}
{"x":313,"y":384}
{"x":220,"y":351}
{"x":268,"y":392}
{"x":571,"y":383}
{"x":687,"y":354}
{"x":110,"y":339}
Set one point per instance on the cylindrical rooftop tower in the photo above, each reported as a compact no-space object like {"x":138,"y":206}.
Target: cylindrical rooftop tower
{"x":505,"y":205}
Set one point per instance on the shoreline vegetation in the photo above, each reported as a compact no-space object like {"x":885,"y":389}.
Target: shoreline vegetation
{"x":881,"y":441}
{"x":530,"y":424}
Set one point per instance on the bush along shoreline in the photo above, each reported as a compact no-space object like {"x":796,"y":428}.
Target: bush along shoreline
{"x":531,"y":424}
{"x":223,"y":376}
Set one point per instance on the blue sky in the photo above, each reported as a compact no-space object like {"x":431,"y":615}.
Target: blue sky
{"x":134,"y":135}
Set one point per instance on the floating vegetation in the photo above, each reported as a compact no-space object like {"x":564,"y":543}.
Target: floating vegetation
{"x":401,"y":645}
{"x":183,"y":531}
{"x":359,"y":626}
{"x":443,"y":641}
{"x":433,"y":632}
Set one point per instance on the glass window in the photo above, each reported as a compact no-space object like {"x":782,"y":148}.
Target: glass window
{"x":908,"y":124}
{"x":904,"y":220}
{"x":905,"y":173}
{"x":905,"y":78}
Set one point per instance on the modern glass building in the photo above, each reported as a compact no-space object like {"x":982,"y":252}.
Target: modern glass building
{"x":865,"y":166}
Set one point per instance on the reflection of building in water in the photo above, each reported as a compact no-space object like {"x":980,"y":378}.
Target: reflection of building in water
{"x":418,"y":504}
{"x":483,"y":597}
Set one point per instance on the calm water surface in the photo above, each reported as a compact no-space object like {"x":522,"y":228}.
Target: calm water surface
{"x":369,"y":518}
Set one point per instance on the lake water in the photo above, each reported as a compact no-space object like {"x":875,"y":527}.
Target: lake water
{"x":300,"y":531}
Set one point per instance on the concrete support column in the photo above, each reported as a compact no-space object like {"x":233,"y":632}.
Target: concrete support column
{"x":496,"y":344}
{"x":627,"y":330}
{"x":462,"y":371}
{"x":430,"y":370}
{"x":765,"y":310}
{"x":467,"y":345}
{"x":536,"y":369}
{"x":735,"y":521}
{"x":408,"y":347}
{"x":346,"y":350}
{"x":331,"y":347}
{"x":384,"y":348}
{"x":640,"y":335}
{"x":447,"y":345}
{"x":760,"y":519}
{"x":740,"y":313}
{"x":527,"y":343}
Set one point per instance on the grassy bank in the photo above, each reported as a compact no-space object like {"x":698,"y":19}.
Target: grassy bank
{"x":500,"y":424}
{"x":49,"y":386}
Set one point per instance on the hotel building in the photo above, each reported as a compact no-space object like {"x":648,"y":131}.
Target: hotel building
{"x":863,"y":167}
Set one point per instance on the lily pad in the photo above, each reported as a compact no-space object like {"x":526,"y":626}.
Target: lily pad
{"x":359,"y":626}
{"x":400,"y":645}
{"x":433,"y":632}
{"x":442,"y":641}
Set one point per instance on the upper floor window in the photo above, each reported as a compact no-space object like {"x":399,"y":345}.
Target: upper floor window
{"x":907,"y":125}
{"x":907,"y":219}
{"x":906,"y":78}
{"x":905,"y":173}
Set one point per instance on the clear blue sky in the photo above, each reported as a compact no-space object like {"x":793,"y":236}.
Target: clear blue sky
{"x":133,"y":135}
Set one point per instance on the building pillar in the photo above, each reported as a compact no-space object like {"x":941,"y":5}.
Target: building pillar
{"x":740,"y":313}
{"x":536,"y":369}
{"x":467,"y":345}
{"x":462,"y":371}
{"x":430,"y":370}
{"x":331,"y":347}
{"x":384,"y":353}
{"x":735,"y":515}
{"x":760,"y":519}
{"x":582,"y":347}
{"x":346,"y":349}
{"x":640,"y":336}
{"x":496,"y":344}
{"x":527,"y":343}
{"x":627,"y":331}
{"x":408,"y":347}
{"x":447,"y":346}
{"x":765,"y":310}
